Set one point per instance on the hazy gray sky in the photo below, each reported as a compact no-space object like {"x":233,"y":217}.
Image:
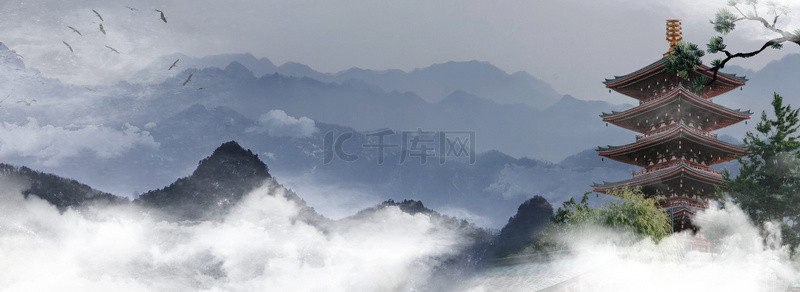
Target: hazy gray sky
{"x":571,"y":44}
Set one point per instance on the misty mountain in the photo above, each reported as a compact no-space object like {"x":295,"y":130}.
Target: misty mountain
{"x":219,"y":182}
{"x":578,"y":124}
{"x":60,"y":192}
{"x":531,"y":219}
{"x":432,"y":83}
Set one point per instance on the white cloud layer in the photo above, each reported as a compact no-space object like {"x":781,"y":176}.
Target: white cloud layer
{"x":259,"y":247}
{"x":49,"y":144}
{"x":607,"y":261}
{"x":279,"y":124}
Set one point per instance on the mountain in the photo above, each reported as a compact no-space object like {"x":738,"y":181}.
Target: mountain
{"x":531,"y":218}
{"x":479,"y":78}
{"x":219,"y":182}
{"x":432,"y":83}
{"x":61,"y":192}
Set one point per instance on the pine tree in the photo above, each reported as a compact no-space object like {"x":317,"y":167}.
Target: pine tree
{"x":768,"y":184}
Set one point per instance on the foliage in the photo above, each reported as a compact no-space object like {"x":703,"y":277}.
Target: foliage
{"x":768,"y":184}
{"x":685,"y":57}
{"x":634,"y":215}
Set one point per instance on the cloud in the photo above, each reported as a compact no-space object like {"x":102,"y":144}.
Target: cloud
{"x":260,"y":246}
{"x":49,"y":144}
{"x":606,"y":260}
{"x":278,"y":124}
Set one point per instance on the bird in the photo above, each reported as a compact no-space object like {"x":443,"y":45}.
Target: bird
{"x":98,"y":14}
{"x":131,"y":8}
{"x":101,"y":29}
{"x":187,"y":79}
{"x":27,"y":103}
{"x":7,"y":96}
{"x":89,"y":89}
{"x":75,"y":30}
{"x":201,"y":88}
{"x":68,"y":46}
{"x":173,"y":64}
{"x":164,"y":18}
{"x":112,"y":49}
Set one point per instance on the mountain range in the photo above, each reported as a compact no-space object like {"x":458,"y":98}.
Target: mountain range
{"x":172,"y":126}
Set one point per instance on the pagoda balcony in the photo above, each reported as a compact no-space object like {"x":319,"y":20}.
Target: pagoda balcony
{"x":671,"y":164}
{"x":683,"y":201}
{"x":668,"y":128}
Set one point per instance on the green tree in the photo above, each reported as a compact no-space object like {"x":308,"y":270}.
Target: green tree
{"x":768,"y":184}
{"x":685,"y":58}
{"x":635,"y":214}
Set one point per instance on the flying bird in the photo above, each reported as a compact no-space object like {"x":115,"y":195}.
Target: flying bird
{"x":75,"y":30}
{"x":27,"y":103}
{"x":101,"y":29}
{"x":131,"y":8}
{"x":164,"y":18}
{"x":201,"y":88}
{"x":1,"y":101}
{"x":173,"y":64}
{"x":187,"y":79}
{"x":98,"y":14}
{"x":68,"y":46}
{"x":89,"y":89}
{"x":112,"y":49}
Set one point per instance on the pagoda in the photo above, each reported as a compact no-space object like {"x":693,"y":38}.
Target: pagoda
{"x":675,"y":145}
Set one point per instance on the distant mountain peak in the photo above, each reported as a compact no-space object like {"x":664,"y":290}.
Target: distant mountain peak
{"x":230,"y":159}
{"x":239,"y":70}
{"x":219,"y":181}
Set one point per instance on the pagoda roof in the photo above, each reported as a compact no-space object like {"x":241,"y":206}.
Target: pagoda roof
{"x":656,"y":177}
{"x":675,"y":132}
{"x":649,"y":105}
{"x":658,"y":66}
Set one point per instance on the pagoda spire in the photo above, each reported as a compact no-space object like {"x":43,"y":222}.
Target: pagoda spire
{"x":674,"y":34}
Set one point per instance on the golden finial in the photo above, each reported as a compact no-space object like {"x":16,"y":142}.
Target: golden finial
{"x":674,"y":34}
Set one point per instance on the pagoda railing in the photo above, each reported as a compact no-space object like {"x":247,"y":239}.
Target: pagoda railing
{"x":656,"y":168}
{"x":682,"y":201}
{"x":671,"y":164}
{"x":668,"y":128}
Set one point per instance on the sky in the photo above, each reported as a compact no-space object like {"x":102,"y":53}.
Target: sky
{"x":571,"y":44}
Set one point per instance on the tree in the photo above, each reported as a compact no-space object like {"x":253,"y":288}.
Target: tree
{"x":634,"y":214}
{"x":685,"y":57}
{"x":768,"y":184}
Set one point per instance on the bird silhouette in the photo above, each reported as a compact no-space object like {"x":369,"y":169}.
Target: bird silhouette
{"x":131,"y":8}
{"x":68,"y":46}
{"x":102,"y":29}
{"x":187,"y":79}
{"x":27,"y":103}
{"x":75,"y":30}
{"x":89,"y":89}
{"x":201,"y":88}
{"x":112,"y":49}
{"x":164,"y":18}
{"x":173,"y":64}
{"x":98,"y":14}
{"x":7,"y":96}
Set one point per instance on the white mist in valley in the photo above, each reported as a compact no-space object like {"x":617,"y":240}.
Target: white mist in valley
{"x":603,"y":260}
{"x":261,"y":246}
{"x":264,"y":245}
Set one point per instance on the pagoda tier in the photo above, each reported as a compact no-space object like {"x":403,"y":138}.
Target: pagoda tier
{"x":653,"y":81}
{"x":680,"y":104}
{"x":677,"y":179}
{"x":677,"y":141}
